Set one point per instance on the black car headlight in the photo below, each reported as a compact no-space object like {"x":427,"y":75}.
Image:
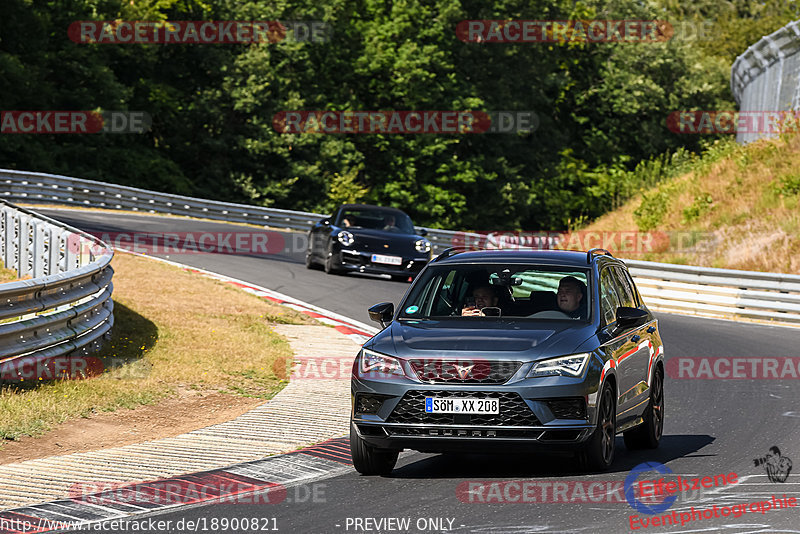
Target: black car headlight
{"x":372,"y":364}
{"x":422,"y":245}
{"x":572,"y":365}
{"x":345,"y":238}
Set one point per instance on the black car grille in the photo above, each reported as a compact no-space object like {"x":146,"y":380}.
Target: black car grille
{"x":567,"y":408}
{"x":369,"y":403}
{"x":464,"y":371}
{"x":513,"y":410}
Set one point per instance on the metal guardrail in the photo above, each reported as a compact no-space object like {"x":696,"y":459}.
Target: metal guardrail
{"x":713,"y":292}
{"x":666,"y":287}
{"x":764,"y":77}
{"x":65,"y":308}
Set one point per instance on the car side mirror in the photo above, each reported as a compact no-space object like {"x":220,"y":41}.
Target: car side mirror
{"x":325,"y":222}
{"x":423,"y":232}
{"x":629,"y":317}
{"x":382,"y":313}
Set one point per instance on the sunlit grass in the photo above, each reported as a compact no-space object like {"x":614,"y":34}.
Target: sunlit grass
{"x":174,"y":331}
{"x":747,"y":204}
{"x":6,"y":275}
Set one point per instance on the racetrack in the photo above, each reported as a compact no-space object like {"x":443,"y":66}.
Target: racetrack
{"x":712,"y":426}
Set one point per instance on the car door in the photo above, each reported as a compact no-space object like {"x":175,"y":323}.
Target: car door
{"x":636,"y":358}
{"x":620,"y":345}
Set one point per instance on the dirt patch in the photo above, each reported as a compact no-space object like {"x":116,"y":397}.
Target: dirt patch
{"x":188,"y":411}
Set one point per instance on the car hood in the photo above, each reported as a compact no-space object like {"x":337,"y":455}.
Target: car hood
{"x":499,"y":339}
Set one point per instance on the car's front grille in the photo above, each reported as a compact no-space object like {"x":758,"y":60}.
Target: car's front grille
{"x":513,"y":410}
{"x":464,"y":371}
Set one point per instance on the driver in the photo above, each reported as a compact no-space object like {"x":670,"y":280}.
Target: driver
{"x":570,"y":296}
{"x":485,"y":296}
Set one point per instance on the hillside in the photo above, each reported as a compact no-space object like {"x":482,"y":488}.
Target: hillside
{"x":740,"y":212}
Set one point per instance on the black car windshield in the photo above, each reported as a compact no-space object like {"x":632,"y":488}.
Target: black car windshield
{"x":506,"y":290}
{"x":375,"y":219}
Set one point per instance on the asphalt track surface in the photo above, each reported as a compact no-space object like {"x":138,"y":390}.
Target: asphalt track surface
{"x":712,"y":427}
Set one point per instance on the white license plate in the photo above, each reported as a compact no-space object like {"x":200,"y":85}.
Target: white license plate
{"x":456,"y":405}
{"x":391,"y":260}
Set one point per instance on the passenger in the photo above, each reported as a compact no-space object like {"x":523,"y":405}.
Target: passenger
{"x":571,"y":297}
{"x":485,"y":296}
{"x":347,"y":222}
{"x":389,"y":223}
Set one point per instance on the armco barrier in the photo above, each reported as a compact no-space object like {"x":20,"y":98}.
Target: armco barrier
{"x":64,"y":309}
{"x":666,"y":287}
{"x":724,"y":293}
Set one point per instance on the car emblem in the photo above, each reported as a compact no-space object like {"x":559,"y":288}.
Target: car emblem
{"x":463,"y":370}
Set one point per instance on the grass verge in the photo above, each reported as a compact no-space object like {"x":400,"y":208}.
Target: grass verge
{"x":7,"y":275}
{"x":175,"y":331}
{"x":738,"y":208}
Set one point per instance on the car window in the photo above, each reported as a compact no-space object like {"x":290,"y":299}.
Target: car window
{"x":375,"y":219}
{"x":609,"y":301}
{"x":629,"y":280}
{"x":624,"y":291}
{"x":516,"y":290}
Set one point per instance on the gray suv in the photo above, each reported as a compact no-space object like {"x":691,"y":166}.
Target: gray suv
{"x":499,"y":350}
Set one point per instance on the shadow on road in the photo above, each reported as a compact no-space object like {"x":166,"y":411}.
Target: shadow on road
{"x":539,"y":464}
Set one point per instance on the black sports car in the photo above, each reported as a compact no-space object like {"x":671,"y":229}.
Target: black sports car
{"x":368,"y":239}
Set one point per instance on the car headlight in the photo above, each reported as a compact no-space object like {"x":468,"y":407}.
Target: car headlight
{"x":345,"y":238}
{"x":563,"y":366}
{"x":422,"y":245}
{"x":375,"y":363}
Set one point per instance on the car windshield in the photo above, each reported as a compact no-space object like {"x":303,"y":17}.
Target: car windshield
{"x":375,"y":219}
{"x":507,"y":290}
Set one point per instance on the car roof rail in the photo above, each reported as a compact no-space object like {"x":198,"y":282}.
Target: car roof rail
{"x":600,"y":251}
{"x":452,"y":251}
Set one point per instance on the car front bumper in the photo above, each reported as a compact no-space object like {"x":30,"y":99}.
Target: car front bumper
{"x":359,"y":261}
{"x":528,"y":416}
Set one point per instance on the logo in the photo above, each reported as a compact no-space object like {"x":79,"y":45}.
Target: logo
{"x":463,"y":370}
{"x":777,"y":467}
{"x":630,"y":494}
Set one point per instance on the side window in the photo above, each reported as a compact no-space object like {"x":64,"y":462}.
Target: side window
{"x":624,"y":290}
{"x":609,"y":302}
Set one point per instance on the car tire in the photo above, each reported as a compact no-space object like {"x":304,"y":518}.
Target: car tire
{"x":599,"y":452}
{"x":648,"y":434}
{"x":310,"y":263}
{"x":329,"y":268}
{"x":369,"y":460}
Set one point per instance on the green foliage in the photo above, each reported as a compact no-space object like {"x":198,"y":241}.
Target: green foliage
{"x":788,"y":184}
{"x":601,"y":137}
{"x":701,"y":205}
{"x":651,"y":211}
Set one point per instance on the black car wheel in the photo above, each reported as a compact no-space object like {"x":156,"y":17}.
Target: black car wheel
{"x":329,"y":268}
{"x":648,"y":434}
{"x":310,"y":263}
{"x":369,"y":460}
{"x":599,"y":452}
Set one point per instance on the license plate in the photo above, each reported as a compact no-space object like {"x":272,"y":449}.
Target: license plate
{"x":457,"y":405}
{"x":391,"y":260}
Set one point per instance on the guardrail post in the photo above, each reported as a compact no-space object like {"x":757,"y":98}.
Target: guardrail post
{"x":25,"y":246}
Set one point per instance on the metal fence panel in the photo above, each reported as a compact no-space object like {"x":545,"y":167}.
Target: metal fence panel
{"x":65,"y":307}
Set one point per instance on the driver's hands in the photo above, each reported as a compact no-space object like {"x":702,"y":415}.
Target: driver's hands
{"x":471,"y":312}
